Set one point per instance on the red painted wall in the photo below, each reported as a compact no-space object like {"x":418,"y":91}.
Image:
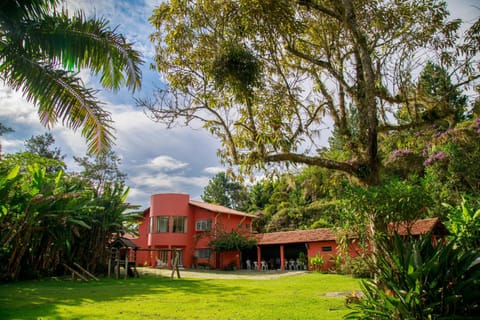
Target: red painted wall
{"x":321,"y":247}
{"x":177,"y":205}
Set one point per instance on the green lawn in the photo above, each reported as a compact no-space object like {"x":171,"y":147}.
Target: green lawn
{"x":295,"y":297}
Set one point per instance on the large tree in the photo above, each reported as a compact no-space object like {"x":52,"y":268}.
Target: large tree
{"x":41,"y":50}
{"x":223,"y":191}
{"x":266,"y":77}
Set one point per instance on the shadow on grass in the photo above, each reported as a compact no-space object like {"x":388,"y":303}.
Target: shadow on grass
{"x":43,"y":298}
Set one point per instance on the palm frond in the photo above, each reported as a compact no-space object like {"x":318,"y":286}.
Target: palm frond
{"x":14,"y":10}
{"x":77,"y":42}
{"x":58,"y":95}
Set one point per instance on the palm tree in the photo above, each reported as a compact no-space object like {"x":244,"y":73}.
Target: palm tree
{"x":39,"y":49}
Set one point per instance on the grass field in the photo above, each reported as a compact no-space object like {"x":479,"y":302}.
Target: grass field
{"x":294,"y":297}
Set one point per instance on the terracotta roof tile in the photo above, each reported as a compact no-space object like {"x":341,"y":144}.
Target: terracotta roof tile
{"x":323,"y":234}
{"x":420,"y":227}
{"x":218,"y":208}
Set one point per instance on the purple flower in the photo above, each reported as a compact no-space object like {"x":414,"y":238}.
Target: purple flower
{"x":399,"y":152}
{"x":433,"y":158}
{"x":439,"y":155}
{"x":477,"y":121}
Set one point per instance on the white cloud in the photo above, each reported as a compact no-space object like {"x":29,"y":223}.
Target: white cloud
{"x":213,"y":170}
{"x":12,"y":104}
{"x":166,"y":163}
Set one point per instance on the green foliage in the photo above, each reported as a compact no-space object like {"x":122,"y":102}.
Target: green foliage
{"x":359,"y":267}
{"x":42,"y":146}
{"x":395,"y":200}
{"x":464,"y":223}
{"x":236,"y":67}
{"x":223,"y":191}
{"x":49,"y":217}
{"x":231,"y":241}
{"x":317,"y":262}
{"x":420,"y":280}
{"x":452,"y":165}
{"x":40,"y":48}
{"x":371,"y":67}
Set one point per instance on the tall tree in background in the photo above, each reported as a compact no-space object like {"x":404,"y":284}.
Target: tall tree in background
{"x":266,"y":76}
{"x":42,"y":146}
{"x":41,"y":47}
{"x":222,"y":190}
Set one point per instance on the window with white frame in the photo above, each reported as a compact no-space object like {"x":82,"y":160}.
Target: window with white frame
{"x":203,"y":225}
{"x":179,"y":224}
{"x":162,"y":224}
{"x":203,"y":253}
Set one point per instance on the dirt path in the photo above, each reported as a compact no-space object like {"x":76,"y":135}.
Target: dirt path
{"x":215,"y":274}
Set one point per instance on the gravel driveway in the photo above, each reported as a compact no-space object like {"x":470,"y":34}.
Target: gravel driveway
{"x":216,"y":274}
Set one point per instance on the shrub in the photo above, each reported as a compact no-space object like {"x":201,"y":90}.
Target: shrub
{"x":418,"y":280}
{"x":317,"y":262}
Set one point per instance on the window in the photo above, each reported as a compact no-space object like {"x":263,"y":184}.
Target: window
{"x":203,"y":225}
{"x":179,"y":224}
{"x":150,"y":225}
{"x":326,"y":249}
{"x":247,"y":226}
{"x":162,"y":224}
{"x":203,"y":253}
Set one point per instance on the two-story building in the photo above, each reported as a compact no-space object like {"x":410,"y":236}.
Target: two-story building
{"x":174,"y":221}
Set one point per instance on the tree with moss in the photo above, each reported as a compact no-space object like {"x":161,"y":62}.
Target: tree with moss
{"x":266,"y":77}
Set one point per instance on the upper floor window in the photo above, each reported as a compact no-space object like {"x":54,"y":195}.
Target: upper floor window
{"x":179,"y":224}
{"x":162,"y":224}
{"x":203,"y":225}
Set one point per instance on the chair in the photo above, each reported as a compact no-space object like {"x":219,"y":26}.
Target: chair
{"x":291,"y":264}
{"x":300,"y":265}
{"x":255,"y":265}
{"x":160,"y":263}
{"x":264,"y":265}
{"x":249,"y":264}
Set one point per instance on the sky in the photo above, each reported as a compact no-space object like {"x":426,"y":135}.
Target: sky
{"x":156,"y":160}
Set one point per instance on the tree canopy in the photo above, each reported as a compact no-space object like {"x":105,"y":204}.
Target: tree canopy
{"x":270,"y":78}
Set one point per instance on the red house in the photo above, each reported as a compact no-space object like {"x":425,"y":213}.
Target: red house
{"x":173,"y":221}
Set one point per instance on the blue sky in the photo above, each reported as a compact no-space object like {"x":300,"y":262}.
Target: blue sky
{"x":156,"y":160}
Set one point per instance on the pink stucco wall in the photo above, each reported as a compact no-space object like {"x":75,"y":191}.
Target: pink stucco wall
{"x":173,"y":205}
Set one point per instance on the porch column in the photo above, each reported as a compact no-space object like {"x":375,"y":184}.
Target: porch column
{"x":282,"y":257}
{"x":259,"y":257}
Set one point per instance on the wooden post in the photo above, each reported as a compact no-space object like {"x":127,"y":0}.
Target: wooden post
{"x":175,"y":265}
{"x":109,"y":265}
{"x":126,"y":264}
{"x":117,"y":264}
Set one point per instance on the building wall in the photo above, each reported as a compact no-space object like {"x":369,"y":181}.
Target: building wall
{"x":329,"y":250}
{"x":177,"y":205}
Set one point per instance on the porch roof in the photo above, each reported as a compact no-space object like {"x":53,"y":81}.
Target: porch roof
{"x":326,"y":234}
{"x":297,"y":236}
